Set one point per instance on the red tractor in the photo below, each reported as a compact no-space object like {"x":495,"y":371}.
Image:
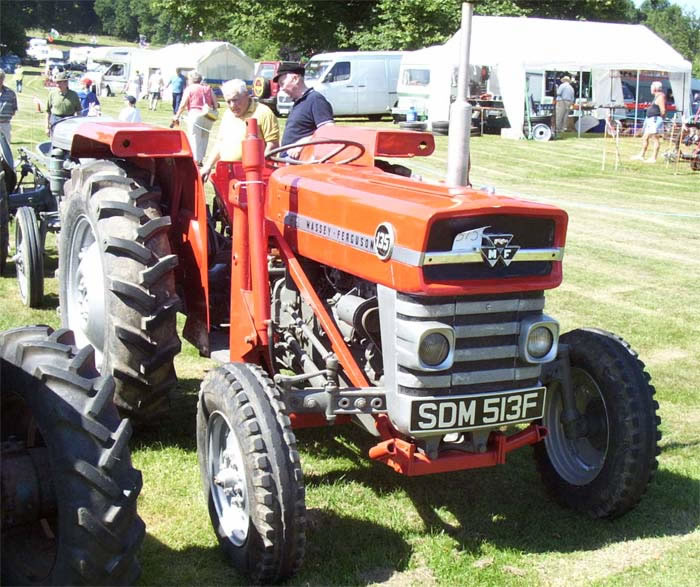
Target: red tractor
{"x":341,"y":290}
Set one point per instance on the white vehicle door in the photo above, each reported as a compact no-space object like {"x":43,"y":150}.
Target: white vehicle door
{"x":339,"y":88}
{"x":373,"y":86}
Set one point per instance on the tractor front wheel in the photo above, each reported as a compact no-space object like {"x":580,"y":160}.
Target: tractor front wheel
{"x":117,"y":288}
{"x":29,"y":257}
{"x":68,"y":488}
{"x":603,"y":465}
{"x":251,"y":472}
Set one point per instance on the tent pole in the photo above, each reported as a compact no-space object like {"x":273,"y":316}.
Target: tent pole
{"x":636,"y":104}
{"x":580,"y":102}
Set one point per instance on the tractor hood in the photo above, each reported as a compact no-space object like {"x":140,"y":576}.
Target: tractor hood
{"x":415,"y":236}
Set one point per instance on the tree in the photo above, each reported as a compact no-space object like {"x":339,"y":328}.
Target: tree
{"x":12,"y":29}
{"x":679,"y":29}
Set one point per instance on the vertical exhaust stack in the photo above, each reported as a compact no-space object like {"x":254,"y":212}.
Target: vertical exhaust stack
{"x":461,"y":111}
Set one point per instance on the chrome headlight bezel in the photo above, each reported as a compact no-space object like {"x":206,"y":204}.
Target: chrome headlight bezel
{"x":528,"y":327}
{"x":408,"y":346}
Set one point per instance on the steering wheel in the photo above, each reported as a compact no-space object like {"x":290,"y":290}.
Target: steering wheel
{"x":344,"y":144}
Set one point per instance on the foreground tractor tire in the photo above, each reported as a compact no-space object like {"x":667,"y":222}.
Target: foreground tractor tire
{"x":4,"y":224}
{"x":251,"y":473}
{"x":29,"y":257}
{"x":606,"y":470}
{"x":117,"y":289}
{"x":68,"y":488}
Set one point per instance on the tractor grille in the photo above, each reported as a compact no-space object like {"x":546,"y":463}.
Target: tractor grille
{"x":528,"y":233}
{"x":486,"y":357}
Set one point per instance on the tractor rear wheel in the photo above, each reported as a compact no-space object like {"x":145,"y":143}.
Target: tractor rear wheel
{"x":29,"y":257}
{"x":251,"y":472}
{"x":68,"y":487}
{"x":117,"y":288}
{"x":604,"y":468}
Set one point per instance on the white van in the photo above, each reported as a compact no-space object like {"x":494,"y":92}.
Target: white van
{"x":356,"y":83}
{"x":110,"y":68}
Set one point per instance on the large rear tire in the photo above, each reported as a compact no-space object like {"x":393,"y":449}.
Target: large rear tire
{"x":117,"y":288}
{"x":4,"y":225}
{"x":251,"y":472}
{"x":605,"y":469}
{"x":69,"y":489}
{"x":29,"y":257}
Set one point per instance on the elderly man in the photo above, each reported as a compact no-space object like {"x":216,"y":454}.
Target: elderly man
{"x":8,"y":107}
{"x":232,"y":131}
{"x":565,"y":97}
{"x":310,"y":110}
{"x":61,"y":103}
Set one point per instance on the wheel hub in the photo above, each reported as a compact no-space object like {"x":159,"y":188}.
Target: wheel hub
{"x":579,"y":457}
{"x":86,"y":298}
{"x":228,"y":484}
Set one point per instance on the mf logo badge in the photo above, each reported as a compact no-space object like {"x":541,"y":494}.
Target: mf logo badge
{"x":492,"y":246}
{"x":497,"y":246}
{"x":384,"y":240}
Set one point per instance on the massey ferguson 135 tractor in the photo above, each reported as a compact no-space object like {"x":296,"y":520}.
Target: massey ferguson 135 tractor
{"x":341,"y":290}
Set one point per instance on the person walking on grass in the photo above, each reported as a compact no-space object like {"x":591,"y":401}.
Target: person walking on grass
{"x":19,"y":78}
{"x":198,"y":100}
{"x":654,"y":124}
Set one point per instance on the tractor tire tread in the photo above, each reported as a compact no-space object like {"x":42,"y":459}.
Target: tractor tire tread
{"x":621,"y":484}
{"x":140,"y":295}
{"x":94,"y":480}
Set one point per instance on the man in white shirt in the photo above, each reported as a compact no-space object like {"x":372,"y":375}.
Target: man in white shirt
{"x":130,"y":113}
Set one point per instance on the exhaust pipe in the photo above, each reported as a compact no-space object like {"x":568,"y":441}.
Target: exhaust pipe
{"x":461,"y":111}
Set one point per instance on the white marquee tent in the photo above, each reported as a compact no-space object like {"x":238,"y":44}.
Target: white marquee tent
{"x":514,"y":46}
{"x":217,"y":61}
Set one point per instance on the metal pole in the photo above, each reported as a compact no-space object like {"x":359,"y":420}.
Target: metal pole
{"x":636,"y":104}
{"x":461,"y":111}
{"x":580,"y":101}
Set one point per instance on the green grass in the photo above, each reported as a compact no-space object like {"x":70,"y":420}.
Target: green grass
{"x":632,"y":266}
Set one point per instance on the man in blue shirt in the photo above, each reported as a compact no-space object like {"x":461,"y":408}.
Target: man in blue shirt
{"x":177,"y":86}
{"x":310,"y":111}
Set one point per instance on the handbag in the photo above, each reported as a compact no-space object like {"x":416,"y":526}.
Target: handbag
{"x":209,"y":113}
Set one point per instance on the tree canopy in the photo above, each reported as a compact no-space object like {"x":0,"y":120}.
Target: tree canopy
{"x":291,"y":29}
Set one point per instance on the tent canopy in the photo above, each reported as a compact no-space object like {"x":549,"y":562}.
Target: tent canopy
{"x":515,"y":45}
{"x":217,"y":61}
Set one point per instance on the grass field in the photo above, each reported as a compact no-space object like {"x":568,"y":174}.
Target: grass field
{"x":632,"y":266}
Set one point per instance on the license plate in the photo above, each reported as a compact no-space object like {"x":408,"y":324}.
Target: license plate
{"x":482,"y":410}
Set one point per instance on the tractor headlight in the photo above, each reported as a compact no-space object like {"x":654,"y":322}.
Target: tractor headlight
{"x":434,"y":349}
{"x":425,"y":346}
{"x":540,"y":341}
{"x":539,"y":338}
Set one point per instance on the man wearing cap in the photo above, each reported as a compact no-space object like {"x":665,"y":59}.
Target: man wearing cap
{"x":8,"y":106}
{"x":310,"y":110}
{"x":232,"y":131}
{"x":565,"y":97}
{"x":61,"y":103}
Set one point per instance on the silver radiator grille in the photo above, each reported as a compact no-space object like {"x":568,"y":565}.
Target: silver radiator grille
{"x":486,"y":355}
